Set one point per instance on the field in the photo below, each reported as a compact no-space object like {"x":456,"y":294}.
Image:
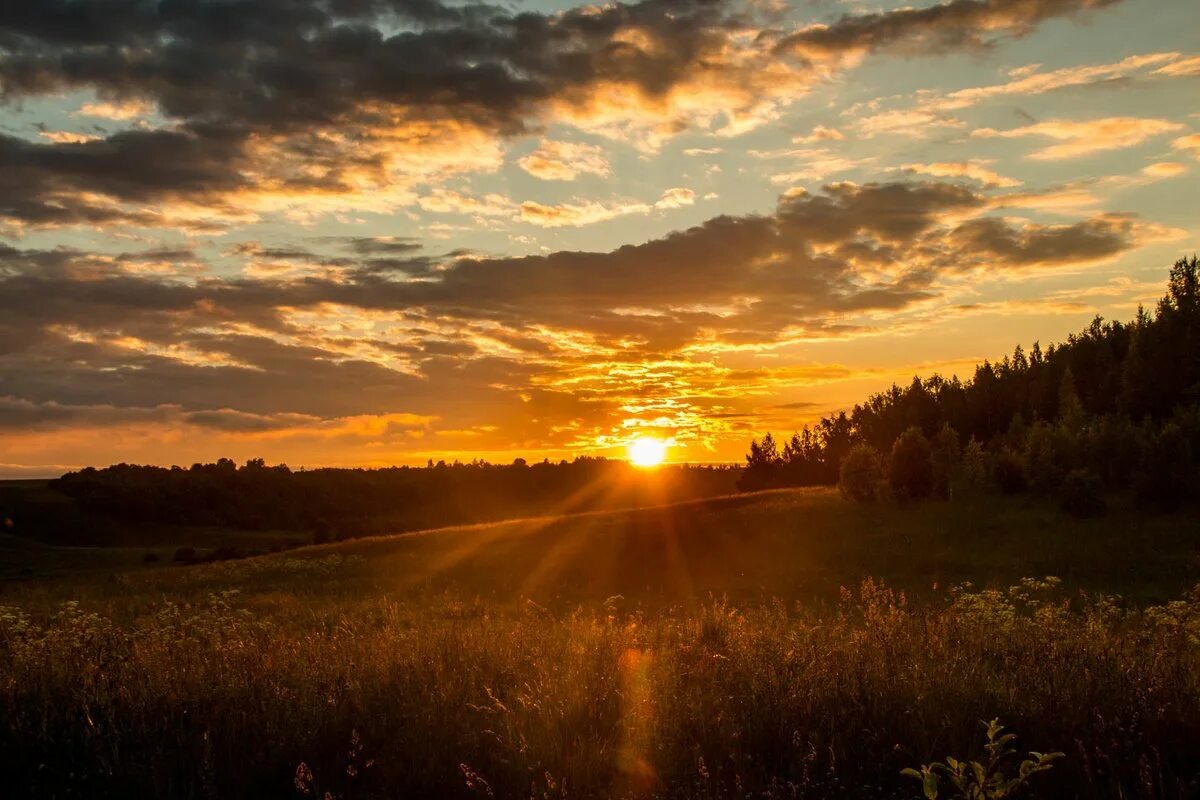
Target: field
{"x":781,"y":644}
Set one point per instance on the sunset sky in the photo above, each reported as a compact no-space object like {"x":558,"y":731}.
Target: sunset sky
{"x":343,"y":232}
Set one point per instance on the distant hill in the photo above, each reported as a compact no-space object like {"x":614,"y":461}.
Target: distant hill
{"x":124,"y":503}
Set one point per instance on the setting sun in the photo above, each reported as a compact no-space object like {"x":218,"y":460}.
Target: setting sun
{"x":647,"y":452}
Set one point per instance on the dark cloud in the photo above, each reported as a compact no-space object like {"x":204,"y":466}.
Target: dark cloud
{"x":277,"y":65}
{"x":374,"y":245}
{"x":57,"y":184}
{"x":992,"y":240}
{"x":958,"y":24}
{"x":23,"y":415}
{"x":248,"y":87}
{"x":479,"y":331}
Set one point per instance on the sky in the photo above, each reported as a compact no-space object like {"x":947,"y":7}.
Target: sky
{"x":373,"y":232}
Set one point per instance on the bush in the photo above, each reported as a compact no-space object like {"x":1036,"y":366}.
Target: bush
{"x":150,"y":558}
{"x":910,"y":470}
{"x":225,"y":554}
{"x":1009,"y":472}
{"x":1000,"y":774}
{"x":971,"y":475}
{"x":861,"y":474}
{"x":1167,"y":477}
{"x":185,"y":555}
{"x":947,"y":456}
{"x":1047,"y":454}
{"x":1082,"y":493}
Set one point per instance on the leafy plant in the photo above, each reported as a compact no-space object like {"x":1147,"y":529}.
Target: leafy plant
{"x":992,"y":779}
{"x":861,"y":474}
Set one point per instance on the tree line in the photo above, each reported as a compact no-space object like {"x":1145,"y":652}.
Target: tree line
{"x":1113,"y":408}
{"x":339,"y":503}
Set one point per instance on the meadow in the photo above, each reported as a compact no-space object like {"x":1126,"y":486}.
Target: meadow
{"x":778,"y":644}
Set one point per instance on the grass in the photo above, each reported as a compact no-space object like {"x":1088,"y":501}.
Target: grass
{"x":702,"y":650}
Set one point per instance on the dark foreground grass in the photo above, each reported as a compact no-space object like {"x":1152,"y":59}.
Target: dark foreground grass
{"x":585,"y":658}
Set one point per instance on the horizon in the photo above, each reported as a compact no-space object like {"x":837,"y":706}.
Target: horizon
{"x":575,"y":227}
{"x":552,"y":399}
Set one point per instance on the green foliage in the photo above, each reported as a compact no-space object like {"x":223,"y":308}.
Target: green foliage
{"x":910,"y":469}
{"x":1168,"y":477}
{"x":972,"y":474}
{"x":577,"y":658}
{"x":992,"y":779}
{"x":1047,"y":451}
{"x":246,"y":692}
{"x":946,"y":456}
{"x":861,"y":477}
{"x":1082,"y":494}
{"x":1103,"y":401}
{"x":332,"y":504}
{"x":1009,"y":472}
{"x":185,"y":555}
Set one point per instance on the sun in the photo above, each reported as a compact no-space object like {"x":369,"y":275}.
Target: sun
{"x":647,"y":451}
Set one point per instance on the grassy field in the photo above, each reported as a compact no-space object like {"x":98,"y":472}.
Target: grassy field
{"x":782,"y":644}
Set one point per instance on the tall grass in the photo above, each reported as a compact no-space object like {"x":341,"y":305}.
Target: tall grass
{"x":272,"y":693}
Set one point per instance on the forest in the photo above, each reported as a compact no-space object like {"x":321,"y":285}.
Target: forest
{"x":334,"y":504}
{"x":1111,"y":409}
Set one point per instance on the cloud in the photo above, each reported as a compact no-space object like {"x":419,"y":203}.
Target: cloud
{"x":916,"y":123}
{"x":448,"y":201}
{"x":1164,"y":169}
{"x":1085,"y":137}
{"x":1182,"y":68}
{"x":810,"y":164}
{"x":676,"y":197}
{"x":311,"y":100}
{"x":805,"y":260}
{"x":1188,"y":144}
{"x":119,"y":110}
{"x":558,"y":350}
{"x":954,"y":25}
{"x":564,"y":161}
{"x":935,"y":108}
{"x":576,"y":214}
{"x":67,"y":137}
{"x":1034,"y":82}
{"x":1031,"y":245}
{"x":311,"y":108}
{"x":974,"y":169}
{"x":820,"y":133}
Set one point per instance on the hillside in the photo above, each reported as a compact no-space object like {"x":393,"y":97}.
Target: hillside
{"x":635,"y":654}
{"x":802,"y":544}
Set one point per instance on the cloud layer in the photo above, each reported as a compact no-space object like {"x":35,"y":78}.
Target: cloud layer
{"x":389,"y":229}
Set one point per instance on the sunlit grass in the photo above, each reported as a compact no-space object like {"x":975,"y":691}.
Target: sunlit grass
{"x":227,"y":694}
{"x":595,"y":657}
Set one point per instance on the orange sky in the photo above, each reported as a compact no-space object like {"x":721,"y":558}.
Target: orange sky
{"x":406,"y":230}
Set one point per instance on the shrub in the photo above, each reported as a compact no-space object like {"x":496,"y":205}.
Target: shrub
{"x":861,"y":474}
{"x":322,"y":532}
{"x":1167,"y":477}
{"x":1048,"y":456}
{"x":910,"y":471}
{"x":971,"y":475}
{"x":150,"y":558}
{"x":1082,"y":493}
{"x":1009,"y":472}
{"x":225,"y":554}
{"x":185,"y":555}
{"x":995,"y":777}
{"x":947,"y":456}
